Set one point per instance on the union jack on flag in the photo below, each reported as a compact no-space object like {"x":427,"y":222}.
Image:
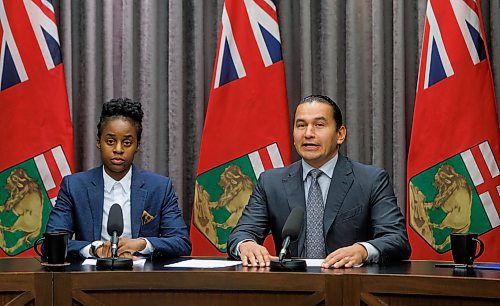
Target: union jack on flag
{"x":43,"y":23}
{"x":438,"y":65}
{"x":264,"y":31}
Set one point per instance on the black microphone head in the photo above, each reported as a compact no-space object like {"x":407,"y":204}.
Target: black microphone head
{"x":293,"y":224}
{"x":115,"y":220}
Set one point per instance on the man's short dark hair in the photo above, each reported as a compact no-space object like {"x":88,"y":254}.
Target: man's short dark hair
{"x":122,"y":107}
{"x":337,"y":114}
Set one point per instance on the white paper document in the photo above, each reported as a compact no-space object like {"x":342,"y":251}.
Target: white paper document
{"x":204,"y":263}
{"x":313,"y":262}
{"x":317,"y":263}
{"x":92,"y":262}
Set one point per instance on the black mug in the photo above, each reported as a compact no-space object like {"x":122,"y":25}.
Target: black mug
{"x":54,"y":246}
{"x":463,"y":248}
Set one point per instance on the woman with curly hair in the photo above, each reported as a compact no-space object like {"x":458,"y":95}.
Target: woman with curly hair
{"x":153,"y":225}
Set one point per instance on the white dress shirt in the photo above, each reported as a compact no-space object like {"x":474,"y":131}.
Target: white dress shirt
{"x":116,"y":192}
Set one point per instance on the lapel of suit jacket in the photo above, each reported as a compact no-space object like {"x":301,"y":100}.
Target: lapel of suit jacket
{"x":95,"y":193}
{"x":137,"y":200}
{"x":294,"y":188}
{"x":342,"y":180}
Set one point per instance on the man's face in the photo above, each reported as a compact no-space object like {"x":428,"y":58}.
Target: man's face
{"x":315,"y":133}
{"x":118,"y":145}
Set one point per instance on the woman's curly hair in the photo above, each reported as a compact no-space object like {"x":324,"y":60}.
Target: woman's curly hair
{"x":122,"y":107}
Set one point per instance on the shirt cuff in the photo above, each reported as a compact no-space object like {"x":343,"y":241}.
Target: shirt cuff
{"x":85,"y":251}
{"x":373,"y":253}
{"x":148,"y":249}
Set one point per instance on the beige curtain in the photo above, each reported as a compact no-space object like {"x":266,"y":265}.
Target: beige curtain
{"x":362,"y":53}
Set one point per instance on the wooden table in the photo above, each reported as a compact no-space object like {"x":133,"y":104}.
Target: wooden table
{"x":419,"y":283}
{"x":23,"y":281}
{"x":157,"y":285}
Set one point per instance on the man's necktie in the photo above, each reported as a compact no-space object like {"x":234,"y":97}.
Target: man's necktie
{"x":315,"y":241}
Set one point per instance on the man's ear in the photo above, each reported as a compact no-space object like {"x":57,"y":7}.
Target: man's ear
{"x":342,"y":133}
{"x":98,"y":144}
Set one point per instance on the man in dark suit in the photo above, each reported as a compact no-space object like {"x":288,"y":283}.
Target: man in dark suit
{"x":153,"y":224}
{"x":352,"y":216}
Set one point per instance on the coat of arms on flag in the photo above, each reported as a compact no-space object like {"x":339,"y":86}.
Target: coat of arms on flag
{"x":27,"y":194}
{"x":222,"y":193}
{"x":458,"y":195}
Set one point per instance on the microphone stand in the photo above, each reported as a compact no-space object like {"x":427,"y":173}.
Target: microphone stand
{"x":114,"y":263}
{"x":287,"y":264}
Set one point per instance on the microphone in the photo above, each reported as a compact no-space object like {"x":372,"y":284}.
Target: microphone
{"x":115,"y":230}
{"x":115,"y":227}
{"x":291,"y":230}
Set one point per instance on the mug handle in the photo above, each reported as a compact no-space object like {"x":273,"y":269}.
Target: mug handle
{"x":481,"y":247}
{"x":38,"y":242}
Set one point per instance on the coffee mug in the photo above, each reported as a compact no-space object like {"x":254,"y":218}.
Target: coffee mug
{"x":54,"y":247}
{"x":463,"y":248}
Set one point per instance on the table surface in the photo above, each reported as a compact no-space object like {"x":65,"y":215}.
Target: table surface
{"x":415,"y":268}
{"x":26,"y":281}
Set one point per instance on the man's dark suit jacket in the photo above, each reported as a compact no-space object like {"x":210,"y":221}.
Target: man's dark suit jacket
{"x":360,"y":207}
{"x":79,"y":209}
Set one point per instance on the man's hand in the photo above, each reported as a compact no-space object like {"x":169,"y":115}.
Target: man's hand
{"x":255,"y":254}
{"x":346,"y":257}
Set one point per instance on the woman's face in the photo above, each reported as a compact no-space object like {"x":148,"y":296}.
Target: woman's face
{"x":118,"y":145}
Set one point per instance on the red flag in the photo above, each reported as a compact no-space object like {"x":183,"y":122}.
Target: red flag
{"x":247,"y":125}
{"x":453,"y":175}
{"x":37,"y":145}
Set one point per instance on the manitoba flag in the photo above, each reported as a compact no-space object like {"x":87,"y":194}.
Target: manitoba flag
{"x":453,"y":174}
{"x":37,"y":149}
{"x":247,"y":125}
